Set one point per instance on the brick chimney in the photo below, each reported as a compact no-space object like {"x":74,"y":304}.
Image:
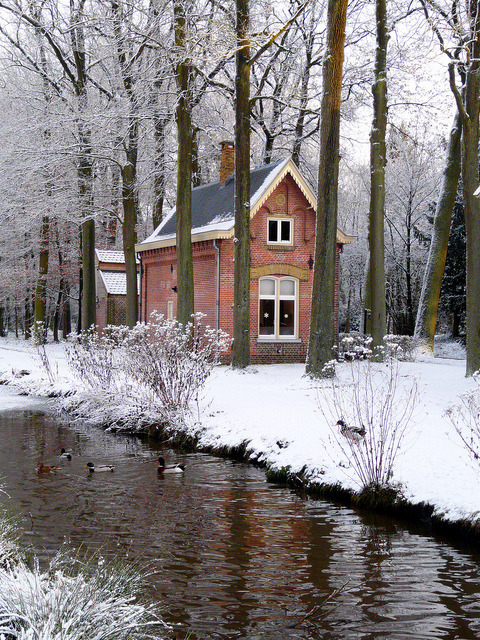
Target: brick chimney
{"x":227,"y":160}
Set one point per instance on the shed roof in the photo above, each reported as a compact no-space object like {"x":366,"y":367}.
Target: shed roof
{"x":109,"y":255}
{"x":115,"y":282}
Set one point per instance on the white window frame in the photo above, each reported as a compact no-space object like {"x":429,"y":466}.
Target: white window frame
{"x":169,"y":309}
{"x":278,"y":222}
{"x":278,"y":298}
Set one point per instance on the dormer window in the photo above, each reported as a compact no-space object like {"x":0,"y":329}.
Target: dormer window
{"x":280,"y":231}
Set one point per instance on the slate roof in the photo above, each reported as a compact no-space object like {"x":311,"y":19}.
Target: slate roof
{"x":213,"y":203}
{"x":213,"y":213}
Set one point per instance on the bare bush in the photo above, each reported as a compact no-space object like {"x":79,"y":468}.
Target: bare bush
{"x":465,"y":418}
{"x":375,"y":407}
{"x":160,"y":361}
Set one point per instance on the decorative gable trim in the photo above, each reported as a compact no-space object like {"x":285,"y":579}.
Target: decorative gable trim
{"x":279,"y":268}
{"x":288,"y":168}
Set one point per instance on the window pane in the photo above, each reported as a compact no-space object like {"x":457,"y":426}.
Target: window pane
{"x":287,"y":317}
{"x":267,"y":318}
{"x":272,"y":231}
{"x":287,"y":287}
{"x":285,"y":226}
{"x":267,"y":287}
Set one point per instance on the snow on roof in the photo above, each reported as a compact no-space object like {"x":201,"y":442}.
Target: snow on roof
{"x":213,"y":203}
{"x":107,"y":255}
{"x":116,"y":282}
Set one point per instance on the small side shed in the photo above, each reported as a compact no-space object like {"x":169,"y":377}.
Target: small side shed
{"x":111,"y":287}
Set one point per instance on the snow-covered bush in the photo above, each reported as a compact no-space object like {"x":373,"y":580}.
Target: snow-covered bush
{"x":97,"y":602}
{"x":354,"y":346}
{"x":170,"y":360}
{"x":357,"y":346}
{"x":97,"y":358}
{"x":160,"y":362}
{"x":401,"y":347}
{"x":373,"y":398}
{"x":465,"y":418}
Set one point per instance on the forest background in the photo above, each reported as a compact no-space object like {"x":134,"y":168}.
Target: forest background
{"x":89,"y":153}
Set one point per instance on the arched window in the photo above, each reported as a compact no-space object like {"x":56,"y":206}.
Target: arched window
{"x":277,"y":310}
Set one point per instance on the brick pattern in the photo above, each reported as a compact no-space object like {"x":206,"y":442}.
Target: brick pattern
{"x":159,"y":274}
{"x":227,"y":160}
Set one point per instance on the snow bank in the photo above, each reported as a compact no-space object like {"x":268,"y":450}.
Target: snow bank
{"x":275,"y":409}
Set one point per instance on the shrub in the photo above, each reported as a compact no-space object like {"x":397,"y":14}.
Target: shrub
{"x":160,"y":361}
{"x":376,"y":399}
{"x":465,"y":418}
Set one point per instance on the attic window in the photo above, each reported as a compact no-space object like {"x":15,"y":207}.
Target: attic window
{"x":280,"y":230}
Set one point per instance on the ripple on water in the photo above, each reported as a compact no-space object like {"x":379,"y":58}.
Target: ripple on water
{"x":230,"y":555}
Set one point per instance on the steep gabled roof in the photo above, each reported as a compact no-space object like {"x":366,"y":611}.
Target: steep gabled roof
{"x":213,"y":214}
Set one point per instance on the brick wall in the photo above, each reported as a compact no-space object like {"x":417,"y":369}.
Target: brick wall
{"x":160,"y":273}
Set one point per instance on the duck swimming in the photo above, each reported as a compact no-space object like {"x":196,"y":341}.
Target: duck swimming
{"x":352,"y":434}
{"x":172,"y":468}
{"x":44,"y":468}
{"x":103,"y":467}
{"x":65,"y":455}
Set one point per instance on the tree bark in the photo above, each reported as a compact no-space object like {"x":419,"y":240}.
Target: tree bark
{"x":130,"y":238}
{"x":378,"y":157}
{"x":468,"y":104}
{"x":322,"y":325}
{"x":160,"y":125}
{"x":432,"y":281}
{"x":185,"y":290}
{"x":39,"y":313}
{"x":241,"y":282}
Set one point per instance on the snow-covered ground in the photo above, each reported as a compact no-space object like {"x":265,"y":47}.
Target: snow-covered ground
{"x":279,"y":412}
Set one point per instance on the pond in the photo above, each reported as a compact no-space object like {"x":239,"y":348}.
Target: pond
{"x":232,"y":556}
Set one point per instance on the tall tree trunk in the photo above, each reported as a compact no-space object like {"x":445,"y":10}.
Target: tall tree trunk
{"x":241,"y":276}
{"x":84,"y":169}
{"x":130,"y":237}
{"x":185,"y":308}
{"x":40,"y":305}
{"x":432,"y":280}
{"x":378,"y":157}
{"x":128,"y":170}
{"x":322,"y":325}
{"x":468,"y":105}
{"x":160,"y":125}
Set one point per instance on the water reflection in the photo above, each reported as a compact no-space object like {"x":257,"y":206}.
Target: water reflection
{"x":231,"y":556}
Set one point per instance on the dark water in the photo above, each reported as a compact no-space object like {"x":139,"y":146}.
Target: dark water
{"x":235,"y":557}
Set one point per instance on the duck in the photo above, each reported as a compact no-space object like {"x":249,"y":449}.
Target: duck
{"x":172,"y":468}
{"x":44,"y":468}
{"x":65,"y":455}
{"x":352,"y":434}
{"x":98,"y":469}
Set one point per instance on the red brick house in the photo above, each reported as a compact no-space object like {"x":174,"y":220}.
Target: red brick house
{"x":282,"y":253}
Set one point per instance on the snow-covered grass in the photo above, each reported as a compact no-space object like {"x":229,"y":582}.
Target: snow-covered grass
{"x":97,"y":601}
{"x":73,"y":599}
{"x":10,"y":553}
{"x":272,"y":413}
